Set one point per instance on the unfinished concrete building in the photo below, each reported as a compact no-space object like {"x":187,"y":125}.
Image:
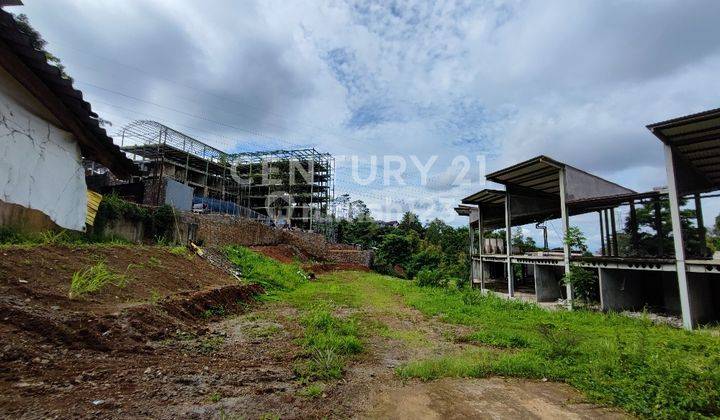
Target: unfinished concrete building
{"x":543,"y":189}
{"x":292,"y":186}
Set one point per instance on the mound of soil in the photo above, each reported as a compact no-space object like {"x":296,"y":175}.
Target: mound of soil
{"x":165,"y":291}
{"x":283,"y":252}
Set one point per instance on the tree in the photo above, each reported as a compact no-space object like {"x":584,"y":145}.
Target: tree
{"x":396,"y":250}
{"x":410,"y":221}
{"x":522,"y":242}
{"x":358,"y":209}
{"x":647,"y":242}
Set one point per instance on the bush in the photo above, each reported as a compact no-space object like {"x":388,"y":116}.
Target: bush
{"x":584,"y":283}
{"x":432,"y":278}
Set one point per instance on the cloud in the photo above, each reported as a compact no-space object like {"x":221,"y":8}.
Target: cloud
{"x":505,"y":79}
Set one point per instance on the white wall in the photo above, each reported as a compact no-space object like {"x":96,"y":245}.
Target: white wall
{"x":40,"y":164}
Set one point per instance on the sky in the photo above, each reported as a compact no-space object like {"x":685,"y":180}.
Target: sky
{"x":504,"y":80}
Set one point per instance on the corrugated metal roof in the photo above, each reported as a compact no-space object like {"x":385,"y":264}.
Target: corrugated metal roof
{"x":486,"y":197}
{"x":696,"y":139}
{"x":18,"y":43}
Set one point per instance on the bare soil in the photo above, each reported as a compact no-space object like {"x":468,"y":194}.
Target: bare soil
{"x":206,"y":349}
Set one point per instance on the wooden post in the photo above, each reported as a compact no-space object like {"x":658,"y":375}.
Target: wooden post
{"x":565,"y":227}
{"x":673,"y":193}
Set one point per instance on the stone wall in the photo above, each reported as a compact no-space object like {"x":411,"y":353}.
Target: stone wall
{"x":350,"y":256}
{"x":218,"y":230}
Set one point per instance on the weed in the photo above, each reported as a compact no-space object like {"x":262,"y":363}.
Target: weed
{"x":211,"y":344}
{"x":93,"y":279}
{"x":154,"y":262}
{"x":559,"y":342}
{"x":313,"y":390}
{"x":214,"y":311}
{"x":215,"y":397}
{"x":155,"y":296}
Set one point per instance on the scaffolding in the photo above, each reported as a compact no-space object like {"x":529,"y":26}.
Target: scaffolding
{"x":293,"y":186}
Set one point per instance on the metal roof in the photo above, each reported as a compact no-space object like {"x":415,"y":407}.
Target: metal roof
{"x":540,"y":173}
{"x":695,"y":139}
{"x":29,"y":66}
{"x":486,"y":197}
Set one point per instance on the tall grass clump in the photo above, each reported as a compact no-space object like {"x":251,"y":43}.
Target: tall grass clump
{"x":328,"y":341}
{"x":265,"y":271}
{"x":94,"y":278}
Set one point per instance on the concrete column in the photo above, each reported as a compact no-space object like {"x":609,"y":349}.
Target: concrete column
{"x":614,"y":232}
{"x":508,"y":246}
{"x":602,"y":235}
{"x":688,"y":321}
{"x":481,"y":239}
{"x":658,"y":228}
{"x":608,"y":238}
{"x":547,"y":283}
{"x":701,"y":225}
{"x":565,"y":227}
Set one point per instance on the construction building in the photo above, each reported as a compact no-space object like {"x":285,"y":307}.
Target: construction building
{"x":292,"y":186}
{"x":673,"y":279}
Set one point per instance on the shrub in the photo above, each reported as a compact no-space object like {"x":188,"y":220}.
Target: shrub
{"x":432,"y":278}
{"x":584,"y":283}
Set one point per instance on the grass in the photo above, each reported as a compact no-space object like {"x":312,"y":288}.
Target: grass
{"x":262,"y":270}
{"x":313,"y":390}
{"x":328,"y":341}
{"x":650,"y":370}
{"x":653,"y":371}
{"x":93,"y":279}
{"x":13,"y":236}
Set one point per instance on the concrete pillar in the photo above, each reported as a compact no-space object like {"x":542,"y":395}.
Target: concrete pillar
{"x":481,"y":240}
{"x":688,"y":321}
{"x":508,"y":246}
{"x":602,"y":235}
{"x":547,"y":283}
{"x":701,"y":225}
{"x":565,"y":227}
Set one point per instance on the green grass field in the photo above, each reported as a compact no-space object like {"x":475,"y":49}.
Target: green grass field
{"x":649,"y":370}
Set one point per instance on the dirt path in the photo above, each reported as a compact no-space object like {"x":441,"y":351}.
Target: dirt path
{"x":412,"y":336}
{"x":219,"y":365}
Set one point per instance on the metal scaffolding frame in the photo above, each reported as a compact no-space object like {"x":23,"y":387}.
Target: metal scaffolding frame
{"x":296,"y":185}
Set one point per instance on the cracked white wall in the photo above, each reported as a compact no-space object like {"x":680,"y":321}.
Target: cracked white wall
{"x":40,"y":164}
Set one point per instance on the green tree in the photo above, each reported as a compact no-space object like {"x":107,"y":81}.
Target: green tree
{"x":648,"y":244}
{"x":410,"y":221}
